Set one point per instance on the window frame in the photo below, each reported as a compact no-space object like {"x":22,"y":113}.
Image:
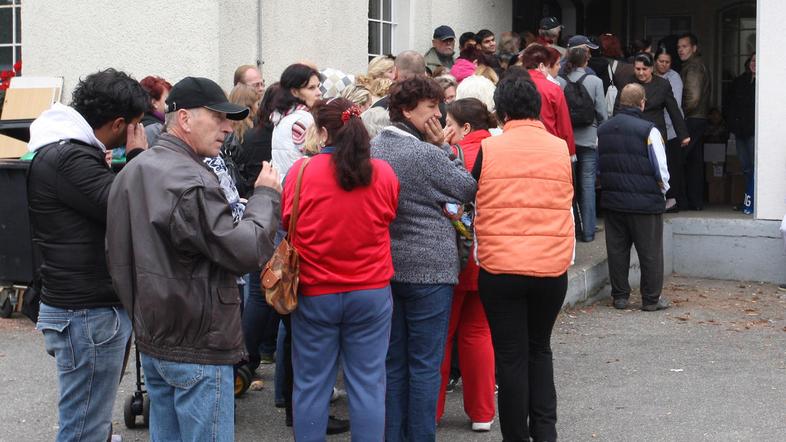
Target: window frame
{"x":16,"y":45}
{"x":381,"y":22}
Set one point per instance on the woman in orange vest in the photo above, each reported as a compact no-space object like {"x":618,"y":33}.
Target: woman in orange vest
{"x":525,"y":240}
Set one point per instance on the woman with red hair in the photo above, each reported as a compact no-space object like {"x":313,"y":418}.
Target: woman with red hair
{"x":543,"y":62}
{"x":153,"y":120}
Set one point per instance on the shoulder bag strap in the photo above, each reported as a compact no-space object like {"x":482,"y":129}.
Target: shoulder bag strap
{"x":296,"y":202}
{"x":459,"y":152}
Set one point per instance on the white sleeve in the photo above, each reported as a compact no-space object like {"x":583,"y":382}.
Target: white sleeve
{"x":657,"y":154}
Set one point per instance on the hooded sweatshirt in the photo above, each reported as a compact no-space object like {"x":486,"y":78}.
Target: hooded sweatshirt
{"x":61,"y":122}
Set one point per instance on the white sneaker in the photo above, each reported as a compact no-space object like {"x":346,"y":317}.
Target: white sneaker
{"x":481,"y":426}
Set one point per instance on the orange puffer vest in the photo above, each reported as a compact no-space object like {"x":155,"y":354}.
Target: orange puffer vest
{"x":524,"y":224}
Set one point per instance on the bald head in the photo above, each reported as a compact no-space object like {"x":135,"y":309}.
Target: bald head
{"x":409,"y":64}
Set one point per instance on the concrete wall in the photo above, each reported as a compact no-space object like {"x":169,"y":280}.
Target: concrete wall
{"x":732,"y":249}
{"x":770,"y":97}
{"x":330,"y":33}
{"x":74,"y":38}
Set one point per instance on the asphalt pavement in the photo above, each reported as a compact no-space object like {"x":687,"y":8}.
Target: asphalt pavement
{"x":711,"y":368}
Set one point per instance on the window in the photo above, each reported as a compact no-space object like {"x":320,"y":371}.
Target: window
{"x":736,"y":41}
{"x":10,"y":34}
{"x":381,"y":27}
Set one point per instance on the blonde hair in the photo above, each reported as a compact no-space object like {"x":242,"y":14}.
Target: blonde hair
{"x":356,"y":94}
{"x":311,"y":145}
{"x":488,"y":72}
{"x":247,"y":96}
{"x":379,"y":65}
{"x":379,"y":87}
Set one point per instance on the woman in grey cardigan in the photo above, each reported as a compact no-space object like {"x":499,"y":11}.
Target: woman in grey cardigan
{"x":425,"y":256}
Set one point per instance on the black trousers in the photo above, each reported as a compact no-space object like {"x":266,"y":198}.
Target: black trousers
{"x":674,"y":159}
{"x":694,"y":163}
{"x":645,"y":231}
{"x":521,"y":312}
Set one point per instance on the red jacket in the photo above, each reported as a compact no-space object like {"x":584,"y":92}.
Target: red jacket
{"x":342,"y":237}
{"x":554,"y":113}
{"x":468,"y":278}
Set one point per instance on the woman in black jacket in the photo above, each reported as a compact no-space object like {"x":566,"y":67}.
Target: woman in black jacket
{"x":659,"y":97}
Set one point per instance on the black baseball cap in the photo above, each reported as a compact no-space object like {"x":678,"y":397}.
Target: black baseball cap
{"x":581,"y":40}
{"x":444,"y":32}
{"x":550,"y":23}
{"x":193,"y":92}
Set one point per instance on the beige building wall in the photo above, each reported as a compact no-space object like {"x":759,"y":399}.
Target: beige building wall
{"x":73,"y":38}
{"x":770,"y":98}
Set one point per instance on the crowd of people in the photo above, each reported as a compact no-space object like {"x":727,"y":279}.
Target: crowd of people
{"x":434,"y":202}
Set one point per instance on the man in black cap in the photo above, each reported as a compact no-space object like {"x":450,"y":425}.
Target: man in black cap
{"x":548,"y":33}
{"x":442,"y":48}
{"x":174,"y":252}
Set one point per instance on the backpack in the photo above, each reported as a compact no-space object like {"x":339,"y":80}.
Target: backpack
{"x":580,"y":104}
{"x":611,"y":92}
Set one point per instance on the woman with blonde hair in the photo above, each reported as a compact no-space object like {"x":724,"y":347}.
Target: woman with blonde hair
{"x":244,"y":96}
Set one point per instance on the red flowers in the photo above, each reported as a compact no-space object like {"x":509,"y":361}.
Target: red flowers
{"x":6,"y":76}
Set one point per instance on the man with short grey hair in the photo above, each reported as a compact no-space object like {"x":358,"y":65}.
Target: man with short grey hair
{"x":174,"y":253}
{"x":442,"y":48}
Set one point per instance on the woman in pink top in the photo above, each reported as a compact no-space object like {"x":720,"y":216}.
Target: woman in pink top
{"x":347,"y":202}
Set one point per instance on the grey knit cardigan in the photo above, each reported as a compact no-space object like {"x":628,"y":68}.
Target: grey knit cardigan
{"x":423,"y":240}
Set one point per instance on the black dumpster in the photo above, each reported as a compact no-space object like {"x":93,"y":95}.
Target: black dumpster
{"x":16,"y":245}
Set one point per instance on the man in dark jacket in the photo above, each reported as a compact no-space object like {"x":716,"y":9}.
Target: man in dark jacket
{"x":85,"y":327}
{"x":740,"y":113}
{"x":696,"y":106}
{"x":174,"y":254}
{"x":634,"y":178}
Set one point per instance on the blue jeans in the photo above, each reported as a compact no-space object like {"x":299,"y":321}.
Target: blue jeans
{"x":356,"y":326}
{"x":421,"y":313}
{"x":259,"y":322}
{"x":586,"y":172}
{"x":89,"y":346}
{"x":189,"y":402}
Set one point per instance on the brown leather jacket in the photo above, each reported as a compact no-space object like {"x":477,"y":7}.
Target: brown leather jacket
{"x":696,"y":88}
{"x":174,"y":253}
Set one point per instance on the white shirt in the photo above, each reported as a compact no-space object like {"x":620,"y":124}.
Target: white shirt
{"x":657,"y":154}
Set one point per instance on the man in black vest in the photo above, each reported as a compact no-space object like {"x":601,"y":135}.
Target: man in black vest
{"x":634,"y":179}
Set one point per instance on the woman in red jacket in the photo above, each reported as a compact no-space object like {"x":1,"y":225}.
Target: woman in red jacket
{"x":468,"y":122}
{"x":347,"y":202}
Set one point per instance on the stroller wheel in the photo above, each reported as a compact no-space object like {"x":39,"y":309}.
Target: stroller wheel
{"x":242,"y":380}
{"x":128,"y":412}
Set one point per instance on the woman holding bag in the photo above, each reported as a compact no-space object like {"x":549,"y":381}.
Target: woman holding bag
{"x":468,"y":123}
{"x":346,"y":204}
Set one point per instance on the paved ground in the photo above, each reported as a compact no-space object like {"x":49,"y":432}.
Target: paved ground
{"x":712,"y":368}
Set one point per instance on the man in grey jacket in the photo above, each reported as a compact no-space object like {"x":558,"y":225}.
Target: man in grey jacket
{"x":695,"y":105}
{"x":174,"y":253}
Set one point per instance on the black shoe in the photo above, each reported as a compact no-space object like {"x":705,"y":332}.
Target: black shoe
{"x":662,"y":304}
{"x":337,"y":426}
{"x":452,"y":382}
{"x":281,"y":404}
{"x":288,"y":420}
{"x":620,"y":303}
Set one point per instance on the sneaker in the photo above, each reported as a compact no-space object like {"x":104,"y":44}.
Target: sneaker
{"x":337,"y":426}
{"x":452,"y":382}
{"x":481,"y":426}
{"x":662,"y":304}
{"x":782,"y":287}
{"x":620,"y":303}
{"x":337,"y":394}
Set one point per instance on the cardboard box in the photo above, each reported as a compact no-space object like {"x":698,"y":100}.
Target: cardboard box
{"x":718,"y":190}
{"x":11,"y":147}
{"x":738,"y":186}
{"x":714,"y":170}
{"x":714,"y":152}
{"x":733,"y":165}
